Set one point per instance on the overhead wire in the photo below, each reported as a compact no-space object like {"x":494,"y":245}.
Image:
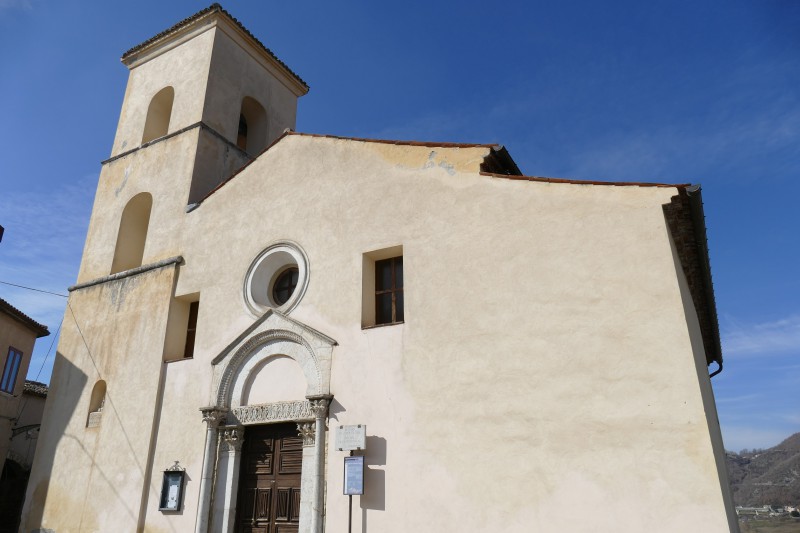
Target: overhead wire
{"x":32,"y":289}
{"x":52,"y":341}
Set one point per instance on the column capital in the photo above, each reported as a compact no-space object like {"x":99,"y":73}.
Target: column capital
{"x":232,"y":438}
{"x":307,"y":431}
{"x":319,"y":405}
{"x":213,"y":415}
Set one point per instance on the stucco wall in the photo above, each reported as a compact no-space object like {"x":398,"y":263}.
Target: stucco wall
{"x":91,"y":479}
{"x":30,"y":410}
{"x":237,"y":72}
{"x":186,"y":72}
{"x":546,"y":356}
{"x":12,"y":333}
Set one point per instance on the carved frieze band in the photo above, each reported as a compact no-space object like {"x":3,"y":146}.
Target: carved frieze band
{"x":272,"y":412}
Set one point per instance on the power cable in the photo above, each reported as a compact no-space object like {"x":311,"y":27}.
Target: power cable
{"x":32,"y":289}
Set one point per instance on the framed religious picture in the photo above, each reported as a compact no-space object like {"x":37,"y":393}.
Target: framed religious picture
{"x":172,"y":489}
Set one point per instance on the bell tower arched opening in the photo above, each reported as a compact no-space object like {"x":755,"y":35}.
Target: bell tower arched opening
{"x":132,"y":234}
{"x":252,"y":133}
{"x":158,"y":114}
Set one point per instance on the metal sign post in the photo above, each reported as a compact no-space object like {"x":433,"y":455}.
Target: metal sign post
{"x":352,"y":438}
{"x":353,"y":482}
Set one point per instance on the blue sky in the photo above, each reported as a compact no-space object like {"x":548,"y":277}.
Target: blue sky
{"x":703,"y":92}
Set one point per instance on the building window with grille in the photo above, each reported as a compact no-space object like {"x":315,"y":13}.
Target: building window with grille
{"x":389,"y":291}
{"x":10,"y":370}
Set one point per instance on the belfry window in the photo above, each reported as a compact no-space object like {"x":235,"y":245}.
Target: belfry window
{"x":158,"y":114}
{"x":241,"y":138}
{"x":132,"y":234}
{"x":252,"y":133}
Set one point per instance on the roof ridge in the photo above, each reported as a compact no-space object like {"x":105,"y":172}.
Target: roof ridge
{"x":213,"y":8}
{"x":588,"y":182}
{"x":399,"y":142}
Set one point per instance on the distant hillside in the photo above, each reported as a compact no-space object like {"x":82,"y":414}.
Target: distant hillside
{"x":766,"y":477}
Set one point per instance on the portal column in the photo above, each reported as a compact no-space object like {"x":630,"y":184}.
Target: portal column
{"x":212,"y":416}
{"x":307,"y":433}
{"x":319,"y":408}
{"x":232,"y":439}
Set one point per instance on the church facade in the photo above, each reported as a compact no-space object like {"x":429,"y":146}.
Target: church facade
{"x":512,"y":348}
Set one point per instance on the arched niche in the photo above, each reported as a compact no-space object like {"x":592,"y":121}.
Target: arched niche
{"x":98,"y":398}
{"x":97,"y":401}
{"x":158,"y":114}
{"x":252,"y":131}
{"x":132,"y":233}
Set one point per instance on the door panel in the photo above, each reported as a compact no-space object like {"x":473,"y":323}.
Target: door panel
{"x":269,"y":480}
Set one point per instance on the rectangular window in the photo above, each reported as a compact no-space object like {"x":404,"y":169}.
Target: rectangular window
{"x":389,"y":290}
{"x":10,"y":370}
{"x":191,"y":329}
{"x":181,"y":334}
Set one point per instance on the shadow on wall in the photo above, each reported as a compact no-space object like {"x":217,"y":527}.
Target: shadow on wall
{"x":374,"y":497}
{"x":334,"y":409}
{"x":61,"y":402}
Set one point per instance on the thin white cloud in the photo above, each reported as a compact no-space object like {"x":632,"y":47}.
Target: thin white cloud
{"x":767,"y":338}
{"x":42,"y":246}
{"x":737,"y":399}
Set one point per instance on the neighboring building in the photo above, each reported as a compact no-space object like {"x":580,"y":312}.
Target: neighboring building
{"x":511,"y":343}
{"x":18,"y":333}
{"x":25,"y":432}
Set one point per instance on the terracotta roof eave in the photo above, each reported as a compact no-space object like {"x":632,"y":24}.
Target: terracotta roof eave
{"x":428,"y":144}
{"x":40,"y":329}
{"x":701,"y":239}
{"x":587,"y":182}
{"x":213,"y":8}
{"x":36,"y":388}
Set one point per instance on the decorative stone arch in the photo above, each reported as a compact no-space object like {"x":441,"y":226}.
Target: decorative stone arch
{"x":258,"y":349}
{"x":273,"y":334}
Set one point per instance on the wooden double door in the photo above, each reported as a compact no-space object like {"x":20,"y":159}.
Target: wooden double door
{"x":269,"y":480}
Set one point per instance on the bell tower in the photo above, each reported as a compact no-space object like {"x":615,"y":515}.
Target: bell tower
{"x":208,"y":72}
{"x":204,"y":98}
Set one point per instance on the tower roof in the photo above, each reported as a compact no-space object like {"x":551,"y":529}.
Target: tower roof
{"x":209,"y":11}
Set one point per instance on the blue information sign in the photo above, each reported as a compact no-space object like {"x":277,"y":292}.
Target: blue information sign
{"x":354,"y":475}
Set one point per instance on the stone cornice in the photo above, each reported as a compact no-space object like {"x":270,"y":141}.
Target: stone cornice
{"x":177,"y":260}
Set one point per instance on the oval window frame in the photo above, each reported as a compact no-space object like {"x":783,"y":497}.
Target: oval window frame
{"x":266,"y":267}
